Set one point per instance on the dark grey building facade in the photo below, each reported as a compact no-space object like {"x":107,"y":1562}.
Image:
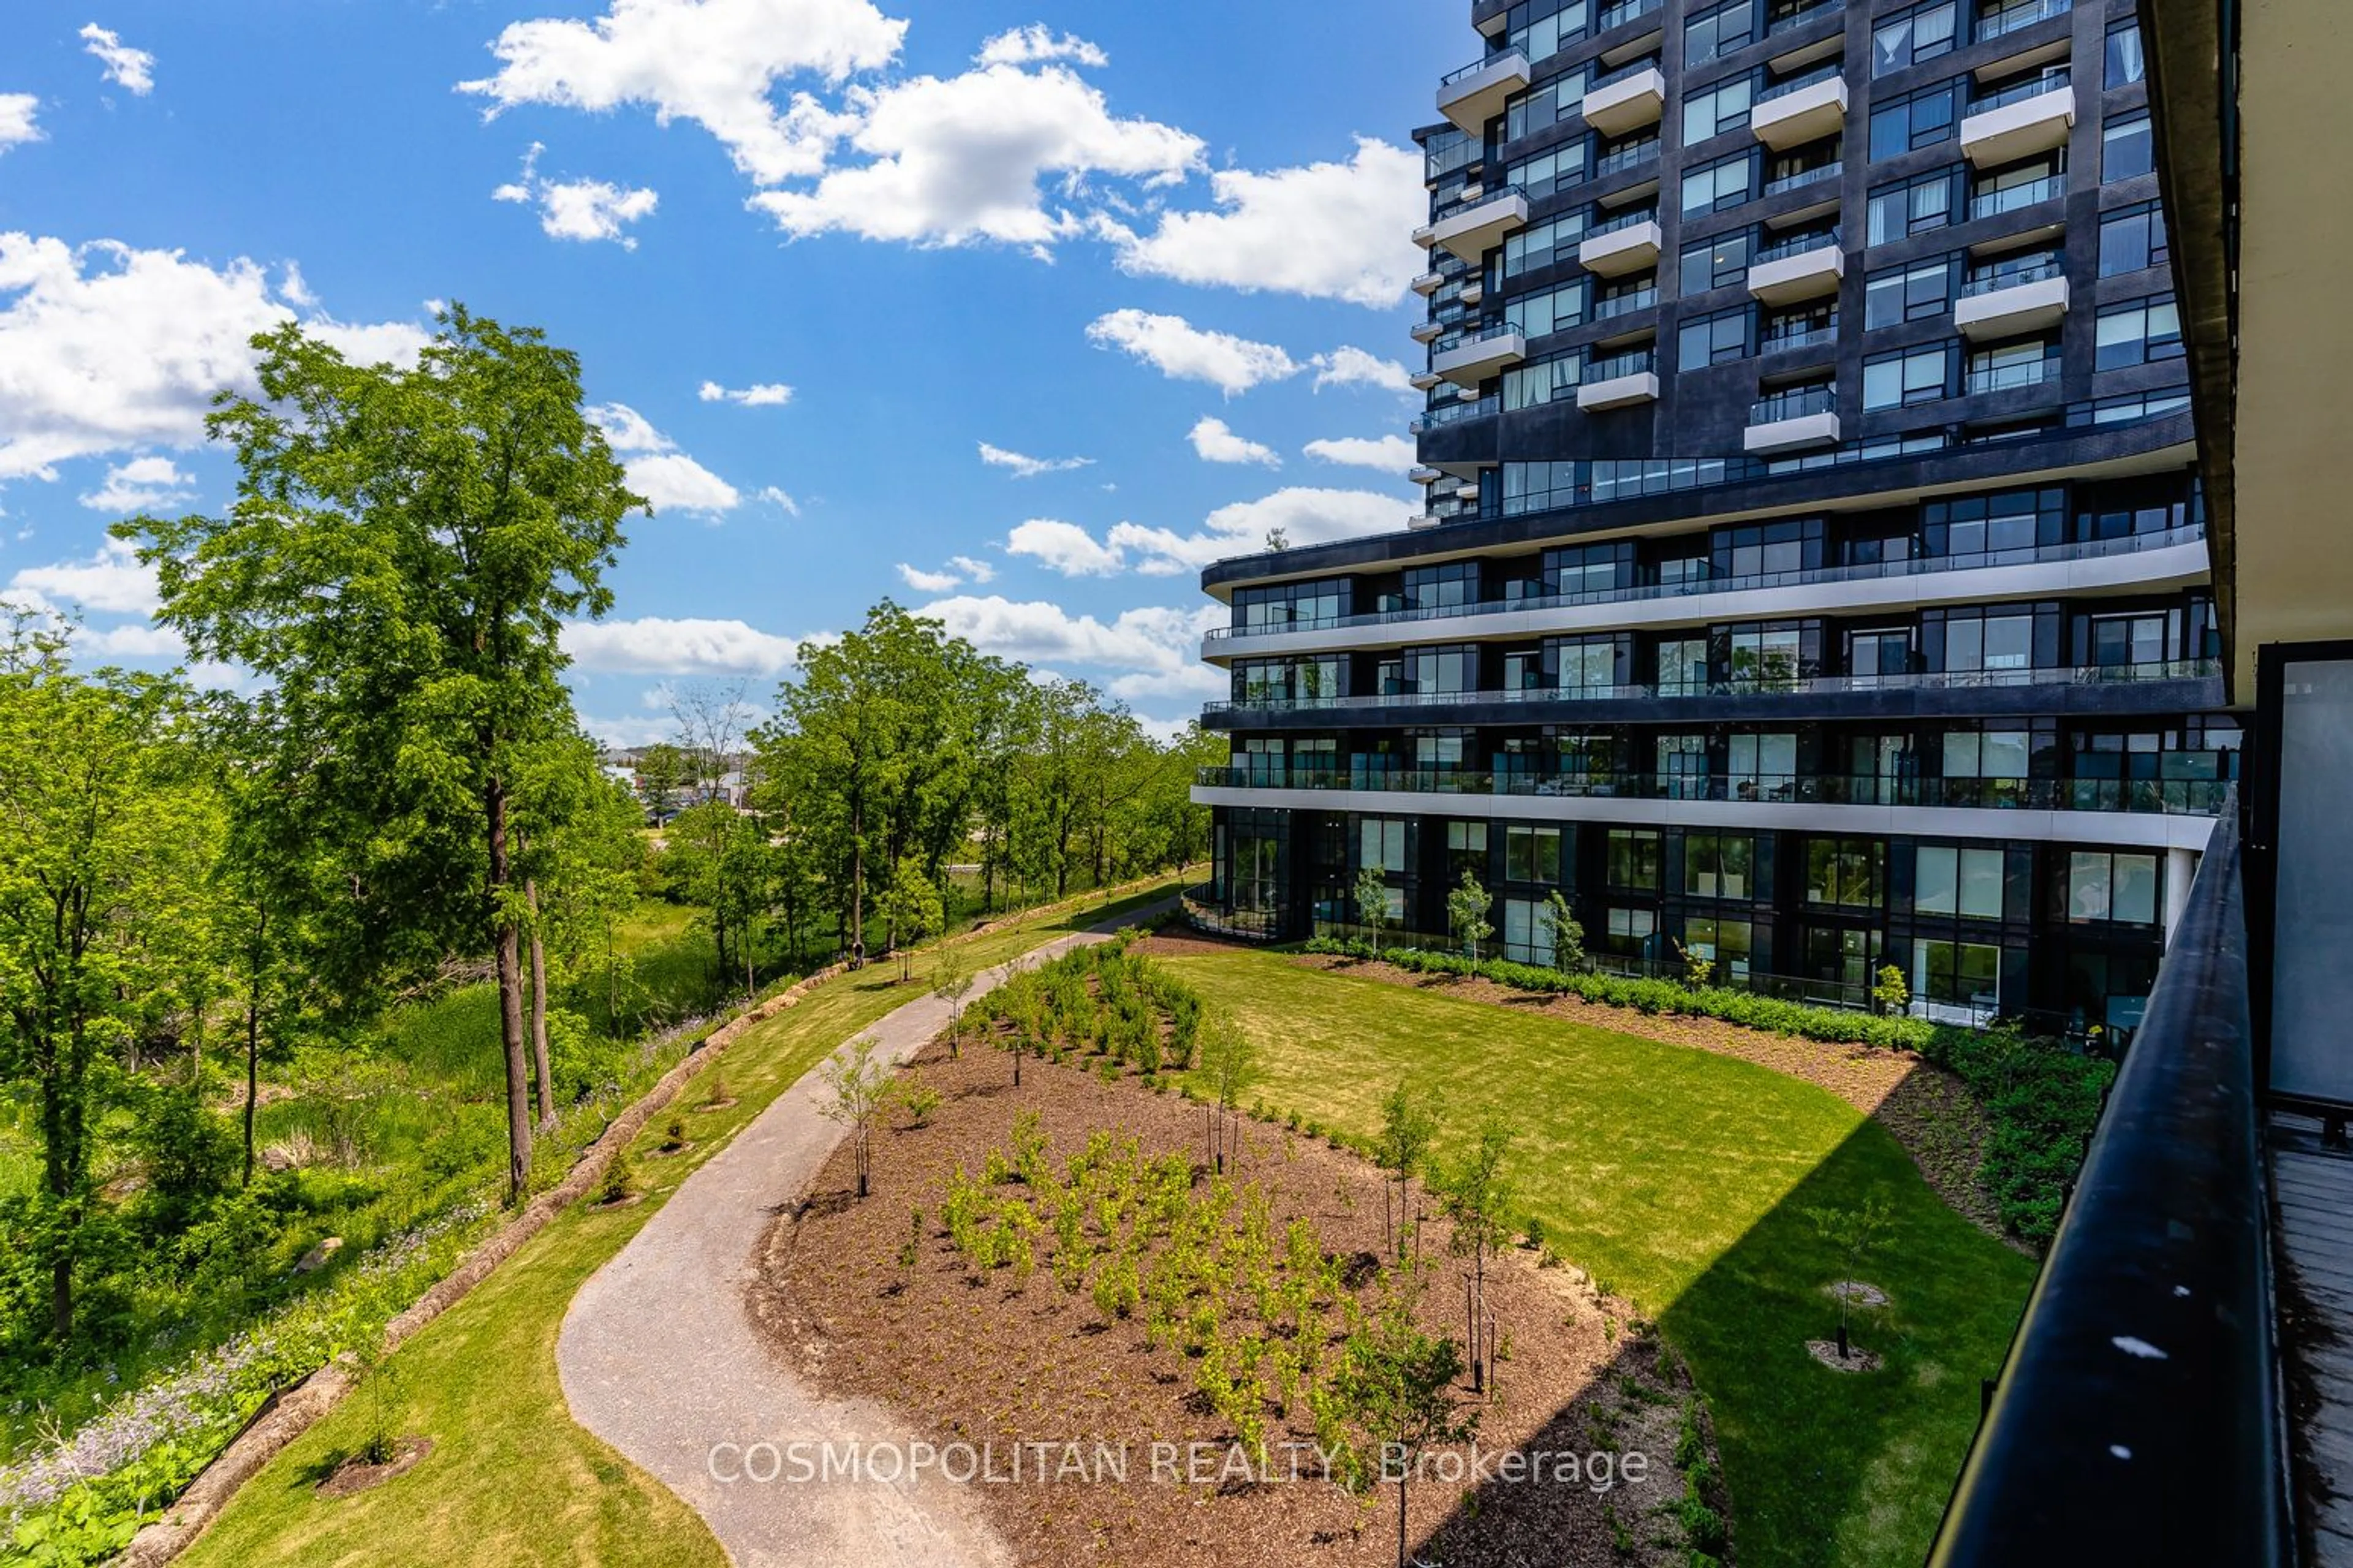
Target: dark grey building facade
{"x":1813,"y":574}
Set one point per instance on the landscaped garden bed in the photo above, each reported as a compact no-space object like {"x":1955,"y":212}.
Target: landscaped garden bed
{"x":1081,"y":1273}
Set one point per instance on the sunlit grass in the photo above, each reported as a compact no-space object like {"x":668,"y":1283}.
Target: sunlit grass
{"x":1679,"y":1179}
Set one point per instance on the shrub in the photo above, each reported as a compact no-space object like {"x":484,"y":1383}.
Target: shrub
{"x":620,"y":1179}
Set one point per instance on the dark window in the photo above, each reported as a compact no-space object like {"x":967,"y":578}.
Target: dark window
{"x":1850,"y":872}
{"x":1717,"y":263}
{"x":1719,"y":865}
{"x":1913,"y":376}
{"x":1910,"y":293}
{"x":2126,"y":63}
{"x":1711,"y":340}
{"x":2133,"y":239}
{"x":1719,"y":31}
{"x":2137,"y":333}
{"x":1633,"y":860}
{"x":1712,"y":187}
{"x":1921,"y":120}
{"x":2125,"y":148}
{"x":1913,"y":207}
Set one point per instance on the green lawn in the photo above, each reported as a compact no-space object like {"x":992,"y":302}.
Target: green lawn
{"x":511,"y":1479}
{"x":1679,"y":1179}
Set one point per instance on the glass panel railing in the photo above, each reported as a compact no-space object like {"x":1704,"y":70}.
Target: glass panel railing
{"x":1464,"y":204}
{"x":1623,"y":73}
{"x":1802,"y":177}
{"x":1623,"y":12}
{"x":2010,"y":198}
{"x":1493,"y":58}
{"x":1799,"y":82}
{"x":1797,"y":403}
{"x":1783,"y":19}
{"x":1640,"y":362}
{"x":1796,"y":245}
{"x":2013,"y":274}
{"x":1995,"y":21}
{"x":1620,"y":304}
{"x":2013,"y":377}
{"x":1783,"y":339}
{"x":2019,"y":92}
{"x":1453,"y":412}
{"x":1626,"y":157}
{"x":1624,"y":220}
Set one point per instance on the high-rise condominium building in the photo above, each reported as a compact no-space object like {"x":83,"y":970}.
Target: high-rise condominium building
{"x":1813,"y":575}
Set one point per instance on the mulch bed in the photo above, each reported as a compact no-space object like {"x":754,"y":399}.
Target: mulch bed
{"x":969,"y":1360}
{"x":355,"y":1475}
{"x":1928,"y":1111}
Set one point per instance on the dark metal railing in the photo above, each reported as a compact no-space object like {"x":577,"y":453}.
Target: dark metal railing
{"x":2138,"y":1418}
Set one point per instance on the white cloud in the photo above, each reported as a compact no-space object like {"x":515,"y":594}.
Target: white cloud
{"x":1063,"y":547}
{"x":1159,"y":648}
{"x":131,"y":69}
{"x":1182,"y":351}
{"x":134,"y":639}
{"x":656,"y":644}
{"x":978,"y":570}
{"x":105,"y":348}
{"x":958,"y":160}
{"x":1391,"y":454}
{"x":1215,"y":442}
{"x":112,"y":582}
{"x":658,"y":470}
{"x":142,"y":484}
{"x":17,"y":115}
{"x":578,"y":209}
{"x":1330,"y":231}
{"x":1347,"y":366}
{"x":760,"y":394}
{"x":774,"y":496}
{"x":714,"y":62}
{"x":1037,"y":42}
{"x":1025,"y":467}
{"x":1305,"y":515}
{"x":923,"y":581}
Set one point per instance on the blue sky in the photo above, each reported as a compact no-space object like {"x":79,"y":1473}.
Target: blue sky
{"x":1059,"y":231}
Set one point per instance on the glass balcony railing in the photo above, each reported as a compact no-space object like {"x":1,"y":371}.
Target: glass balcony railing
{"x":2055,"y":81}
{"x":1802,"y":337}
{"x":1453,"y":412}
{"x":1626,"y":157}
{"x":1799,"y":82}
{"x":1796,"y":244}
{"x":1624,"y":220}
{"x":1915,"y":566}
{"x":1620,"y":304}
{"x":2010,"y":198}
{"x":1640,"y":362}
{"x":2013,"y":275}
{"x":1492,"y":58}
{"x":1465,"y":204}
{"x":1623,"y":73}
{"x":1749,"y":687}
{"x":2013,"y":377}
{"x":1798,"y":16}
{"x":1797,"y":403}
{"x":2172,"y":797}
{"x":1623,"y":12}
{"x":1816,"y":175}
{"x":1997,"y":21}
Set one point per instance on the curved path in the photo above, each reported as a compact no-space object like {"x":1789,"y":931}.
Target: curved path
{"x":659,"y":1357}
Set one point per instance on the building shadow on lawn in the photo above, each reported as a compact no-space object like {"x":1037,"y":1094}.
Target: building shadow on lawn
{"x":1821,"y":1466}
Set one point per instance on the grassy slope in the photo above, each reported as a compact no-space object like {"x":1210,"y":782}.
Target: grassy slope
{"x":511,"y":1479}
{"x":1679,"y":1179}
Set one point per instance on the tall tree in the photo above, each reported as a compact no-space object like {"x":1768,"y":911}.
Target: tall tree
{"x":405,"y":548}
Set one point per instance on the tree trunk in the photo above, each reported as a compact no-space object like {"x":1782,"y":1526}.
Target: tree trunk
{"x":508,"y":941}
{"x":252,"y":1077}
{"x":857,"y":886}
{"x":539,"y":1014}
{"x":1400,"y":1520}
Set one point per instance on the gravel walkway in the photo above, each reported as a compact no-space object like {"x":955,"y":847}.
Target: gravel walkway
{"x":659,"y":1356}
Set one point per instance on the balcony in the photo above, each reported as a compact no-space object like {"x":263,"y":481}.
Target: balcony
{"x":2012,"y":198}
{"x":1820,"y":174}
{"x":1428,"y":331}
{"x":1620,"y":381}
{"x":1610,"y":306}
{"x":1807,"y":109}
{"x":1624,"y":100}
{"x":1627,"y":157}
{"x":1811,"y":268}
{"x":2032,"y":117}
{"x":2005,"y":303}
{"x":1428,"y":283}
{"x":1447,"y":413}
{"x":1470,"y":232}
{"x":1373,"y":775}
{"x":1424,"y":380}
{"x":1997,"y":21}
{"x":2022,"y":375}
{"x":1623,"y":245}
{"x":1474,"y":95}
{"x":1792,"y":421}
{"x":1424,"y":476}
{"x":2165,"y":559}
{"x":1478,"y":354}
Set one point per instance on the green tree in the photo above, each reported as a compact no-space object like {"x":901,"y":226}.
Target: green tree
{"x":1855,"y":1234}
{"x":1889,"y":993}
{"x":913,"y":908}
{"x":1478,"y":1197}
{"x":663,"y":777}
{"x":1567,"y":934}
{"x":106,"y":852}
{"x":1397,"y":1382}
{"x":1231,"y":1057}
{"x":1466,"y":912}
{"x":952,"y":981}
{"x":404,"y":551}
{"x":861,"y":1090}
{"x":1373,"y":902}
{"x":1408,"y":1128}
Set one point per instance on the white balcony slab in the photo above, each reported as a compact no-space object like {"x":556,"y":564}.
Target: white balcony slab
{"x":2006,"y":313}
{"x":1631,"y":248}
{"x":1808,"y":114}
{"x":1619,"y":390}
{"x":1808,"y":274}
{"x":1430,"y":283}
{"x":1426,"y":332}
{"x":1615,"y":108}
{"x":1477,"y":96}
{"x":1468,"y":364}
{"x":2019,"y":129}
{"x":1793,"y":435}
{"x":1477,"y":230}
